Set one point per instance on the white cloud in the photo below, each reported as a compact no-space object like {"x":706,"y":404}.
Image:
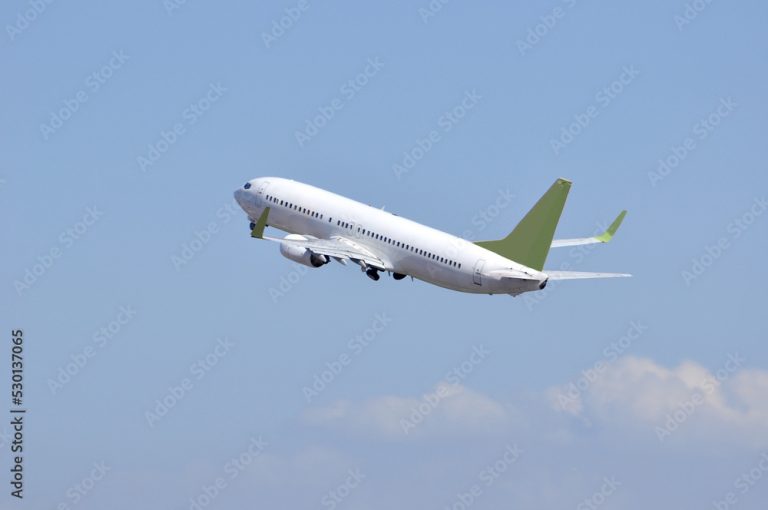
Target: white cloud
{"x":631,"y":395}
{"x":448,"y":409}
{"x":688,"y":401}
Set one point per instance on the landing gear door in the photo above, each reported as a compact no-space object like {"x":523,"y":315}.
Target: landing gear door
{"x":478,"y":275}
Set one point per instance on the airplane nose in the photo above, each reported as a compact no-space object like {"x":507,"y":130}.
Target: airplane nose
{"x":240,"y":197}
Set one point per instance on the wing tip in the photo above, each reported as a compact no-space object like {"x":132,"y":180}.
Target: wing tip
{"x":608,"y":235}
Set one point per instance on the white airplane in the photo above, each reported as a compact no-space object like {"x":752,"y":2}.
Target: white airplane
{"x":322,"y":226}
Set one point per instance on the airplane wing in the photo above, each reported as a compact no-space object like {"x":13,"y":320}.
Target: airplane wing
{"x":573,"y":275}
{"x":337,"y":247}
{"x":605,"y":237}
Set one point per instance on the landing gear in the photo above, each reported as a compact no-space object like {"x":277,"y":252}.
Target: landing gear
{"x":373,"y":274}
{"x":252,"y":226}
{"x":398,"y":276}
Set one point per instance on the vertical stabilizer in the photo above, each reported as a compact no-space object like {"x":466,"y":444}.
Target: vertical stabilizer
{"x":529,"y":242}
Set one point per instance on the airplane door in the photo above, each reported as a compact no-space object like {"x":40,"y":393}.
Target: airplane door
{"x":260,"y":192}
{"x":478,"y":276}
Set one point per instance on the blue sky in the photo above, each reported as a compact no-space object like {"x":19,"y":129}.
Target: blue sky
{"x":126,"y":128}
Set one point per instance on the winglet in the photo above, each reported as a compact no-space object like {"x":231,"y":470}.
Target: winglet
{"x":258,"y":230}
{"x":606,"y":236}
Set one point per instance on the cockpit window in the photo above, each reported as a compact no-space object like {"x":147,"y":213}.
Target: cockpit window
{"x":247,"y":185}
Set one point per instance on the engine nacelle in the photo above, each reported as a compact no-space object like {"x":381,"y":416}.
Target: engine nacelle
{"x":300,"y":254}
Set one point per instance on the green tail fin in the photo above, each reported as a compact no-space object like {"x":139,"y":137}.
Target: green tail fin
{"x":529,"y":243}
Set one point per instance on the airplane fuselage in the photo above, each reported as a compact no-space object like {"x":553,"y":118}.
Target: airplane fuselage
{"x":406,"y":247}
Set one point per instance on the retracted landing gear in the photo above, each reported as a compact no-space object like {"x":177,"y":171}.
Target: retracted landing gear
{"x":398,"y":276}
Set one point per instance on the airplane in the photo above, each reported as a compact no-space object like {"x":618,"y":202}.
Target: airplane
{"x":323,"y":226}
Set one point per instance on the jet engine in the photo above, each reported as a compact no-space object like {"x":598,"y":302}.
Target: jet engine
{"x":300,"y":254}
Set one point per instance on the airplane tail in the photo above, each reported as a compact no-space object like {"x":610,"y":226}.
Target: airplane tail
{"x":530,"y":241}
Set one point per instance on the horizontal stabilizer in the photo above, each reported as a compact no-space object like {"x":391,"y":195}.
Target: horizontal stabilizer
{"x":573,"y":275}
{"x":605,"y":237}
